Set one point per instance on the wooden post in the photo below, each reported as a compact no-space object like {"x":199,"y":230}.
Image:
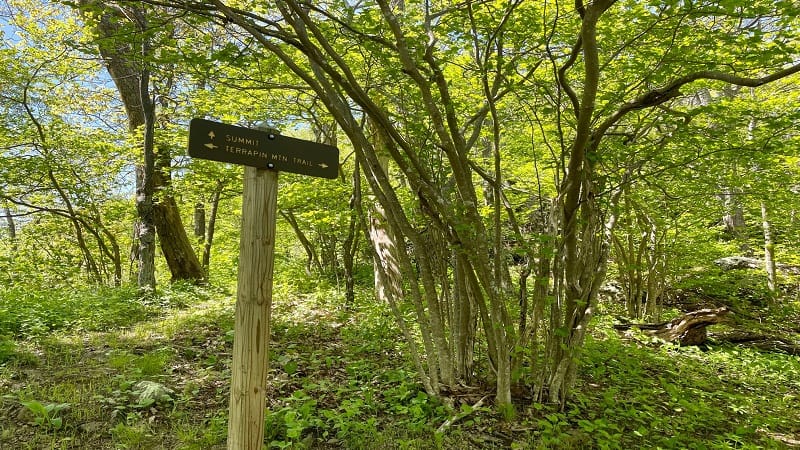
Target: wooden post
{"x":253,"y":304}
{"x":256,"y":148}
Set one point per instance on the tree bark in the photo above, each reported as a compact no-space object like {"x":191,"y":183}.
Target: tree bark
{"x":212,"y":225}
{"x":733,"y":219}
{"x":350,"y":244}
{"x":384,"y":241}
{"x":200,"y":222}
{"x":144,"y":187}
{"x":429,"y":381}
{"x":769,"y":250}
{"x":174,"y":241}
{"x":464,"y":320}
{"x":12,"y":227}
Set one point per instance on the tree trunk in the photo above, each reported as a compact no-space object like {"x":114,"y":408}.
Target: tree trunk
{"x":11,"y":226}
{"x":113,"y":252}
{"x":312,"y":261}
{"x":385,"y":243}
{"x":212,"y":224}
{"x":524,"y":273}
{"x":132,"y":83}
{"x":72,"y":216}
{"x":175,"y":244}
{"x":349,"y":250}
{"x":769,"y":250}
{"x":577,"y":215}
{"x":91,"y":263}
{"x":429,"y":381}
{"x":539,"y":300}
{"x":761,"y":342}
{"x":657,"y":263}
{"x":200,"y":222}
{"x":350,"y":245}
{"x":733,"y":219}
{"x":144,"y":194}
{"x":463,"y":324}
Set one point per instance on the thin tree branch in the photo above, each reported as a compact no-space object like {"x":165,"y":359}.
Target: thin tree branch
{"x":671,"y":90}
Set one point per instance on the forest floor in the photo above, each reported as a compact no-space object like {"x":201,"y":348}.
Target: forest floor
{"x":339,"y":378}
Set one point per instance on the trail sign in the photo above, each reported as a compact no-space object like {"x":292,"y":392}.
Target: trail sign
{"x":239,"y":145}
{"x":258,"y":150}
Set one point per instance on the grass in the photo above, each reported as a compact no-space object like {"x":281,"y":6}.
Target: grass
{"x":340,"y":379}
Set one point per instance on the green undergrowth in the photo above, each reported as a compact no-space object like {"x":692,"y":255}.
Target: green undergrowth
{"x":664,"y":396}
{"x":157,"y":377}
{"x":27,"y":312}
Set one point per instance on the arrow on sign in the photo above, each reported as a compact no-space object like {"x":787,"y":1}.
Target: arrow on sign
{"x":211,"y":136}
{"x":323,"y":165}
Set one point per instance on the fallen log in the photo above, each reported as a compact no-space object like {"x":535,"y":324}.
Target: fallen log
{"x":761,"y":342}
{"x":688,"y":329}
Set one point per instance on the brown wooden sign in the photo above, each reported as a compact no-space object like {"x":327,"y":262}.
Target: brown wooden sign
{"x":239,"y":145}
